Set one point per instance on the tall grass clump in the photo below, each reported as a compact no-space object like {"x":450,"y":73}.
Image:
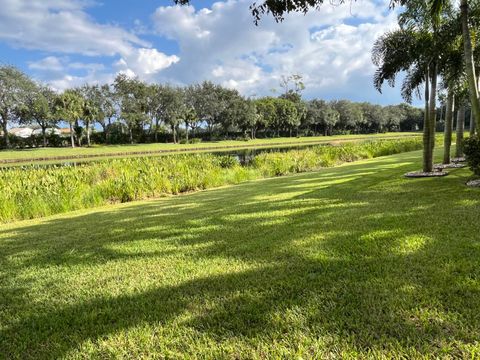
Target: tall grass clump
{"x":309,"y":159}
{"x":31,"y":192}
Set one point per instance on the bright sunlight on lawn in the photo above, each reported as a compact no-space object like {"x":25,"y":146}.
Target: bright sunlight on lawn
{"x":353,"y":261}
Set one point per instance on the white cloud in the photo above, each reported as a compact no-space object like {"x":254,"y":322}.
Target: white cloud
{"x":63,"y":26}
{"x":145,"y":62}
{"x":331,"y":47}
{"x":56,"y":71}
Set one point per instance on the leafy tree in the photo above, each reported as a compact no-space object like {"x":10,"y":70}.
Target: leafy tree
{"x":286,"y":115}
{"x":373,"y":120}
{"x":350,"y":114}
{"x":323,"y":115}
{"x":14,"y":89}
{"x":39,"y":109}
{"x":266,"y":112}
{"x":133,"y":98}
{"x":106,"y":101}
{"x":174,"y":110}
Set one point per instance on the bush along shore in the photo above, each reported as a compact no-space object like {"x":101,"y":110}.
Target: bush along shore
{"x":32,"y":192}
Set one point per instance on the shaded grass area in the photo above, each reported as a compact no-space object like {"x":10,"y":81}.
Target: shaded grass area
{"x":354,"y":261}
{"x":49,"y":154}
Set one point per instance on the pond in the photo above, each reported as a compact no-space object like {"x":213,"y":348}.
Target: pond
{"x":243,"y":156}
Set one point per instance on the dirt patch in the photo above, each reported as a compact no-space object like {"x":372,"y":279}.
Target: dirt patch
{"x":474,"y":183}
{"x":422,"y":174}
{"x":452,"y":165}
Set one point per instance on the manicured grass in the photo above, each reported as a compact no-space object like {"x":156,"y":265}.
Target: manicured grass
{"x":111,"y":150}
{"x":354,"y":261}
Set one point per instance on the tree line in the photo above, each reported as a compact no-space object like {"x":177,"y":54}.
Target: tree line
{"x":436,"y":39}
{"x":132,"y":111}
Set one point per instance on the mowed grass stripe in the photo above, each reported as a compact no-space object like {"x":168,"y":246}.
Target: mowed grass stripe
{"x":354,"y":261}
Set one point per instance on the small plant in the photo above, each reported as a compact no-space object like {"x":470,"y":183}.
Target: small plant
{"x":472,"y":153}
{"x":228,"y":161}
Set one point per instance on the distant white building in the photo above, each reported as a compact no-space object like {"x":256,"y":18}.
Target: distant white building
{"x":48,"y":131}
{"x":24,"y":132}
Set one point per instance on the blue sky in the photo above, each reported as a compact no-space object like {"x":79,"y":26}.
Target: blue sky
{"x":68,"y":43}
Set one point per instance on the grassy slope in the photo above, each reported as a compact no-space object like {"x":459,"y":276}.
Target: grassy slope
{"x":112,"y":149}
{"x":350,"y":261}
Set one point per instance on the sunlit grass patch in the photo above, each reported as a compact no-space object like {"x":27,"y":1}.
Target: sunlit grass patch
{"x":369,"y":266}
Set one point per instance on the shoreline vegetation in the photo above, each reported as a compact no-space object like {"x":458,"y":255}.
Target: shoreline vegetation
{"x":12,"y":157}
{"x":32,"y":192}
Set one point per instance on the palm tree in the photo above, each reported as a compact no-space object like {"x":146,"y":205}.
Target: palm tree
{"x":90,"y":113}
{"x":414,"y":52}
{"x":69,"y":107}
{"x":436,"y":8}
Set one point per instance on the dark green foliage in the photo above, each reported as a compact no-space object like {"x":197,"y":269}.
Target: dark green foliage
{"x":472,"y":153}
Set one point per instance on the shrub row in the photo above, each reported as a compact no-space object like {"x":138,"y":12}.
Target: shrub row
{"x":472,"y":153}
{"x":31,"y":192}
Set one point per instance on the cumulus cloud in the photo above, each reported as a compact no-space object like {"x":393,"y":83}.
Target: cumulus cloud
{"x":63,"y":26}
{"x":331,"y":47}
{"x":144,"y":62}
{"x":57,"y":72}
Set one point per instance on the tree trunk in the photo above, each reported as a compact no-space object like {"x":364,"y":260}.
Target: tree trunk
{"x":427,"y":162}
{"x":460,"y":130}
{"x":105,"y":134}
{"x":186,"y":132}
{"x":473,"y":124}
{"x":433,"y":111}
{"x":130,"y":131}
{"x":447,"y":142}
{"x":44,"y":135}
{"x":5,"y":132}
{"x":174,"y":134}
{"x":470,"y":66}
{"x":87,"y":125}
{"x":72,"y":139}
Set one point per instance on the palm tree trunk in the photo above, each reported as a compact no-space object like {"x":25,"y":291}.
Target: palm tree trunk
{"x":460,"y":130}
{"x":427,"y":163}
{"x":87,"y":125}
{"x":470,"y":66}
{"x":433,"y":113}
{"x":447,"y":142}
{"x":72,"y":139}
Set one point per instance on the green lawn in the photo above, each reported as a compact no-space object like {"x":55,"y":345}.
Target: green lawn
{"x":354,"y":261}
{"x":111,"y":150}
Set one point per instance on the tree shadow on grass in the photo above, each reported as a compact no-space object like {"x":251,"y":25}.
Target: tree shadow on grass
{"x":353,"y":260}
